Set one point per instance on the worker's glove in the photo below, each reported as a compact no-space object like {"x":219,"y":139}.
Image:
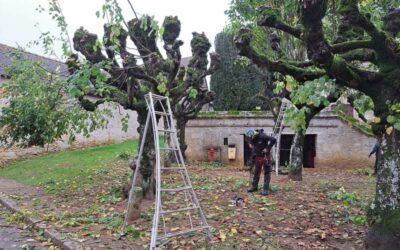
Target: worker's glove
{"x":266,"y":151}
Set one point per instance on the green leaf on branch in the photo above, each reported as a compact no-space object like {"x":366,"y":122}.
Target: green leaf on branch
{"x":397,"y":125}
{"x":296,"y":118}
{"x":279,"y":86}
{"x":162,"y":88}
{"x":193,"y":93}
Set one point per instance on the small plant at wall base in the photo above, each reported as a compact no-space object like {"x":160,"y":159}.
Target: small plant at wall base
{"x":214,"y":164}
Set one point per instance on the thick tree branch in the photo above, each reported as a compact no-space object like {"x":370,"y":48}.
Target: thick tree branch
{"x":86,"y":43}
{"x":243,"y":43}
{"x":349,"y":9}
{"x":172,"y":29}
{"x":391,"y":21}
{"x":351,"y":99}
{"x":361,"y":55}
{"x":89,"y":105}
{"x":214,"y":65}
{"x":312,"y":13}
{"x":300,"y":64}
{"x":145,"y":40}
{"x":384,"y":47}
{"x":271,"y":18}
{"x":344,"y":47}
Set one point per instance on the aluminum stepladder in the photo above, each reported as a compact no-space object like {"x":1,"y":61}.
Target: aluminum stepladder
{"x":160,"y":106}
{"x":277,"y":132}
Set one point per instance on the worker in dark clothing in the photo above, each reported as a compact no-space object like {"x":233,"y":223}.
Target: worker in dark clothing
{"x":376,"y":151}
{"x":261,"y":145}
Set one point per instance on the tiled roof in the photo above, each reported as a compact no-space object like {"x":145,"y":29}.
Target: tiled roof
{"x":6,"y":55}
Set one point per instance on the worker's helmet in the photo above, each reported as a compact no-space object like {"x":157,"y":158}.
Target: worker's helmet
{"x":251,"y":133}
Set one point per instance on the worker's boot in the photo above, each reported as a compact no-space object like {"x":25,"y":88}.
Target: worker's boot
{"x":256,"y":179}
{"x":252,"y":189}
{"x":267,"y":180}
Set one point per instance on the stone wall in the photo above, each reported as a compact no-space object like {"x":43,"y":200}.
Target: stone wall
{"x":336,"y":143}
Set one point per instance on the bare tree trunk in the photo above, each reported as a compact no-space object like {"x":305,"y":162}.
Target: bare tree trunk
{"x":296,"y":150}
{"x":169,"y":156}
{"x":296,"y":156}
{"x":384,"y":213}
{"x":148,"y":157}
{"x":181,"y":129}
{"x":145,"y":183}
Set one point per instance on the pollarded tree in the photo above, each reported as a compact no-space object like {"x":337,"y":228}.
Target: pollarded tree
{"x":377,"y":76}
{"x":192,"y":94}
{"x":110,"y":72}
{"x":130,"y":82}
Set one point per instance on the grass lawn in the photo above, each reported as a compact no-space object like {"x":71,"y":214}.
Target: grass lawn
{"x":68,"y":166}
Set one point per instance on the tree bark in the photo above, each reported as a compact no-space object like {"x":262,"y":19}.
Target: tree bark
{"x":181,"y":130}
{"x":145,"y":182}
{"x":384,"y":213}
{"x":147,"y":163}
{"x":296,"y":150}
{"x":296,"y":156}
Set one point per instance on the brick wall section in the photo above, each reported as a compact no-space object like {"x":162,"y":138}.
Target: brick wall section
{"x":336,"y":143}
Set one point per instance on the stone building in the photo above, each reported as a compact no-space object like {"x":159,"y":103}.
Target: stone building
{"x":113,"y":132}
{"x":330,"y":141}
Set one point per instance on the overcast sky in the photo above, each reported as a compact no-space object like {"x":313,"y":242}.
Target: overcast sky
{"x":18,"y":17}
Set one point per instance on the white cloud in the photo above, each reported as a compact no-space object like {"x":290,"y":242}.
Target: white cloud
{"x":18,"y":17}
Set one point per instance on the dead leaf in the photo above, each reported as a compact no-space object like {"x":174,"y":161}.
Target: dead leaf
{"x":222,"y":235}
{"x":311,"y":231}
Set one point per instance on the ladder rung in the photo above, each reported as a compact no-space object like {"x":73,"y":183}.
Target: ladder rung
{"x":170,"y":235}
{"x":166,"y":130}
{"x":160,"y":97}
{"x":161,"y":113}
{"x":175,"y":189}
{"x":177,"y":169}
{"x":179,"y":210}
{"x":173,"y":149}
